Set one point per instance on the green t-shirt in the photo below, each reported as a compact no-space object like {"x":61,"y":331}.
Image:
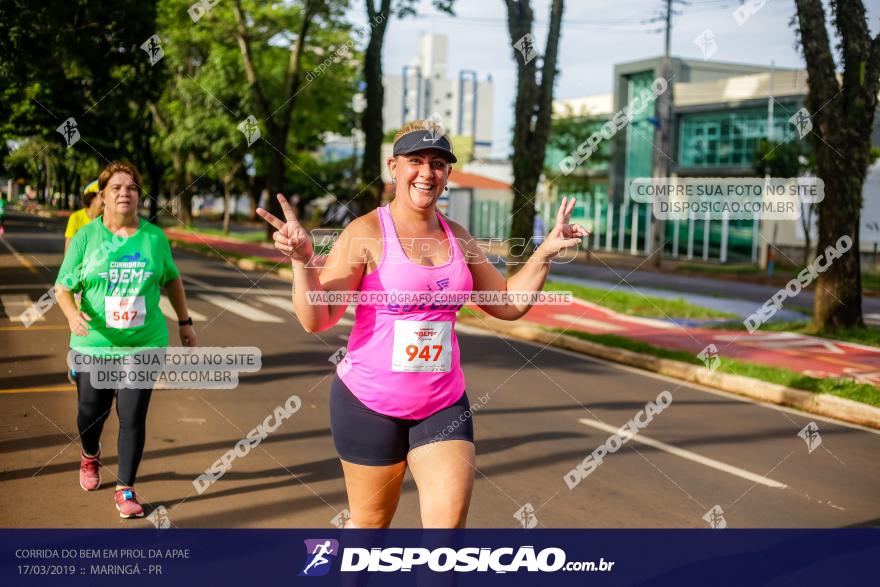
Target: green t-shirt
{"x":120,"y":279}
{"x":2,"y":206}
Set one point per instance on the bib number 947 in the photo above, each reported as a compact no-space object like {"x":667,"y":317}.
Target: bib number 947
{"x":422,"y":347}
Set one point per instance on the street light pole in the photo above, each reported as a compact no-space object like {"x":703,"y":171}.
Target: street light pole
{"x":662,"y":137}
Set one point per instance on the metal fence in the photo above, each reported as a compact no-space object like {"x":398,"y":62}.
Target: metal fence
{"x":626,"y":228}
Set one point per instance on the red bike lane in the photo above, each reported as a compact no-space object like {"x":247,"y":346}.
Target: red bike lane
{"x":810,"y":355}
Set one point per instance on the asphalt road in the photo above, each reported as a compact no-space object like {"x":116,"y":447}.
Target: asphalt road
{"x":542,"y":411}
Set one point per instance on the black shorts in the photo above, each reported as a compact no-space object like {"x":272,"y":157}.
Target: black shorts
{"x":366,"y":437}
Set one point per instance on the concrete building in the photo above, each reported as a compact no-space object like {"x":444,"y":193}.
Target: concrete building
{"x":460,"y":101}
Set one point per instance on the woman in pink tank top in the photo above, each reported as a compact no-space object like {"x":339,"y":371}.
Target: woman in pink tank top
{"x":398,"y":399}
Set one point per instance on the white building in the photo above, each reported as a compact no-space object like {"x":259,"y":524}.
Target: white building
{"x":424,"y":89}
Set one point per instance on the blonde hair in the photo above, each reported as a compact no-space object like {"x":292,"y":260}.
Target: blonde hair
{"x":428,"y":124}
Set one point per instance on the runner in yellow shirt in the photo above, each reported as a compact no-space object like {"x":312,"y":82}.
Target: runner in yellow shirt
{"x":93,"y":205}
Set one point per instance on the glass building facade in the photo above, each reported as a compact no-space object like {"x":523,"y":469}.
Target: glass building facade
{"x":729,"y":138}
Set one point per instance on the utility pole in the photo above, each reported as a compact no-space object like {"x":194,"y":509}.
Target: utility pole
{"x":663,"y":137}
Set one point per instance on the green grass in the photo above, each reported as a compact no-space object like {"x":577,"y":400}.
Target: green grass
{"x":867,"y":336}
{"x":214,"y":252}
{"x":845,"y":388}
{"x":733,"y":269}
{"x":247,"y":236}
{"x":871,"y":280}
{"x":637,"y":305}
{"x":465,"y":311}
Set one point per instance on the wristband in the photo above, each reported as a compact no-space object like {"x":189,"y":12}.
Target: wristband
{"x":187,"y":322}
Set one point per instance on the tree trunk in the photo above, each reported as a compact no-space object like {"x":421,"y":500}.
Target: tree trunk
{"x":371,"y":118}
{"x":275,"y":178}
{"x":227,"y":199}
{"x":842,"y":118}
{"x":254,"y":189}
{"x":186,"y":195}
{"x":806,"y":224}
{"x":533,"y":110}
{"x":154,"y":172}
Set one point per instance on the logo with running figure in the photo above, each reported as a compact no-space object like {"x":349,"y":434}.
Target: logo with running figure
{"x":320,"y":553}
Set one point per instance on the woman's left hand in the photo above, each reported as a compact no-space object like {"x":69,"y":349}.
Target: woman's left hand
{"x":563,"y":235}
{"x":187,"y":335}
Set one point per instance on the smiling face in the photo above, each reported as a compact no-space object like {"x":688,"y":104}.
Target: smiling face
{"x":421,"y":177}
{"x":120,"y":195}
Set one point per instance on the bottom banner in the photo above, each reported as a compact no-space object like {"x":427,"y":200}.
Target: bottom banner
{"x":840,"y":557}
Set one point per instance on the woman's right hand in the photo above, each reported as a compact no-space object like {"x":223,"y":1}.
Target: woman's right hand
{"x":79,"y":323}
{"x":290,"y":237}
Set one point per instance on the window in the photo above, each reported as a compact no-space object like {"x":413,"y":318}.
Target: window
{"x":729,"y":138}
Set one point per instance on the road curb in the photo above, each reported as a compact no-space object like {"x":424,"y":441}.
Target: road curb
{"x":822,"y":404}
{"x":816,"y":403}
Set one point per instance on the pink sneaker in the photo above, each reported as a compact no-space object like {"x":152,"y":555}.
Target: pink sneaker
{"x":89,"y":472}
{"x":127,"y":504}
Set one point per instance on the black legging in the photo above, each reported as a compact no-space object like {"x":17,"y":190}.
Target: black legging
{"x":131,"y":407}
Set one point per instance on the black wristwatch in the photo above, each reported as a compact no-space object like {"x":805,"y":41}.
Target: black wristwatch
{"x":187,"y":322}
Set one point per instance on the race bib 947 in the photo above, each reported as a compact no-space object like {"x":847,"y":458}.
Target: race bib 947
{"x":422,"y":346}
{"x":124,"y":311}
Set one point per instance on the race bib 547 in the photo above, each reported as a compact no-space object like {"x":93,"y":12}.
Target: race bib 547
{"x":124,"y":311}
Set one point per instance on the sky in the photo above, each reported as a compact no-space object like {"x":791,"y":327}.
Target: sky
{"x":596,"y":34}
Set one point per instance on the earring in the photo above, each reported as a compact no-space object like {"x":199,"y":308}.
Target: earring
{"x":446,"y":187}
{"x":393,"y":180}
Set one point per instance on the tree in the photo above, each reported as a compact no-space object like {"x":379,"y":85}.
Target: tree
{"x":374,"y":92}
{"x":102,"y":78}
{"x":277,"y":120}
{"x":207,"y":117}
{"x":787,"y":159}
{"x":567,"y":132}
{"x":842,"y":117}
{"x":532,"y":111}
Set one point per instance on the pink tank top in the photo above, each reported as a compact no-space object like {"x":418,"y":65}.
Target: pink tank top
{"x":403,"y":360}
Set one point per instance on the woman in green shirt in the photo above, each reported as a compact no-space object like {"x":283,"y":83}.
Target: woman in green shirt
{"x":120,"y":264}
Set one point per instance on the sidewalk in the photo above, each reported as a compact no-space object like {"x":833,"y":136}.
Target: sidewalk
{"x":812,"y":356}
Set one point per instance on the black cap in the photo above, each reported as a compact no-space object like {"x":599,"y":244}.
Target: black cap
{"x":422,"y":140}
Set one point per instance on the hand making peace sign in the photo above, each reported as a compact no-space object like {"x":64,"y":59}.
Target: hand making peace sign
{"x":563,"y":235}
{"x":290,"y":237}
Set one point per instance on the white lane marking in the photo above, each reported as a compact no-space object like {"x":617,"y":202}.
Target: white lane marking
{"x":285,"y":304}
{"x":241,"y":309}
{"x":18,"y":256}
{"x":198,"y":282}
{"x":580,"y":320}
{"x":15,"y":304}
{"x":199,"y":285}
{"x":168,"y":310}
{"x":691,"y":456}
